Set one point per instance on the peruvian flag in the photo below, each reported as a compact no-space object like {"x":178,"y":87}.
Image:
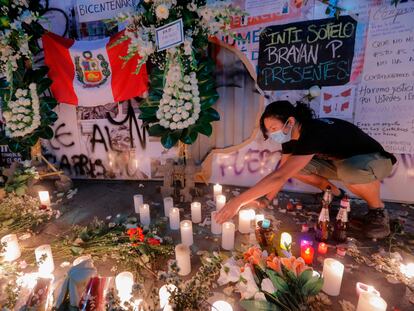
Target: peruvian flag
{"x":91,"y":73}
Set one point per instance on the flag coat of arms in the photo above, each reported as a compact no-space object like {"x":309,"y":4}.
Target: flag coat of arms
{"x":92,"y":73}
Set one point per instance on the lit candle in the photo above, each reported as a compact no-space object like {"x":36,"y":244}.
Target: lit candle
{"x":306,"y":253}
{"x":322,"y":248}
{"x":285,"y":240}
{"x":165,"y":293}
{"x":44,"y":259}
{"x":227,"y":238}
{"x":361,"y":287}
{"x":332,"y":273}
{"x":138,"y":201}
{"x":259,"y":217}
{"x":370,"y":302}
{"x":182,"y":256}
{"x":196,"y":212}
{"x":174,"y":218}
{"x":245,"y":220}
{"x":44,"y":198}
{"x":215,"y":227}
{"x":168,"y":205}
{"x":124,"y":282}
{"x":221,"y":305}
{"x":186,"y":228}
{"x":220,"y":201}
{"x":11,"y":249}
{"x":217,"y":189}
{"x":144,"y":214}
{"x":304,"y":243}
{"x":407,"y":270}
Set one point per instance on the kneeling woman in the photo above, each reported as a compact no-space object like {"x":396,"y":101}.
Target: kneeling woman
{"x":315,"y":151}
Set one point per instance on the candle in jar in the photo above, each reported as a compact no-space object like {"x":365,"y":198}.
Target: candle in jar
{"x":304,"y":243}
{"x":361,"y":287}
{"x":44,"y":259}
{"x":215,"y":227}
{"x":370,"y":302}
{"x":124,"y":282}
{"x":165,"y":293}
{"x":174,"y":218}
{"x":11,"y":249}
{"x":407,"y":270}
{"x":217,"y":189}
{"x":186,"y":229}
{"x":332,"y":273}
{"x":182,"y":256}
{"x":259,"y":217}
{"x":168,"y":205}
{"x":138,"y":201}
{"x":196,"y":212}
{"x":306,"y":252}
{"x":144,"y":214}
{"x":221,"y":305}
{"x":245,"y":220}
{"x":44,"y":198}
{"x":285,"y":240}
{"x":322,"y":248}
{"x":220,"y":201}
{"x":227,"y":238}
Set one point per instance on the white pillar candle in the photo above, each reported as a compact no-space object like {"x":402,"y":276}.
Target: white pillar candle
{"x":80,"y":259}
{"x":245,"y":220}
{"x":285,"y":239}
{"x":332,"y":273}
{"x":168,"y":205}
{"x":144,"y":214}
{"x":196,"y":212}
{"x":11,"y":249}
{"x":186,"y":229}
{"x":217,"y":189}
{"x":165,"y":293}
{"x":182,"y":256}
{"x":220,"y":201}
{"x":44,"y":198}
{"x":259,"y":217}
{"x":138,"y":201}
{"x":227,"y":238}
{"x":44,"y":259}
{"x":174,"y":218}
{"x":221,"y":305}
{"x":370,"y":302}
{"x":124,"y":282}
{"x":407,"y":270}
{"x":215,"y":227}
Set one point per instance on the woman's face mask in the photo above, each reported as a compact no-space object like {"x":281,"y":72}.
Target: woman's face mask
{"x":280,"y":137}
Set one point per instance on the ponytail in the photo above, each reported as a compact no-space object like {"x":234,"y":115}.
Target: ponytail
{"x":283,"y":110}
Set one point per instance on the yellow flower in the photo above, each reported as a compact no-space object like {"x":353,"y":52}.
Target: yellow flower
{"x":162,"y":12}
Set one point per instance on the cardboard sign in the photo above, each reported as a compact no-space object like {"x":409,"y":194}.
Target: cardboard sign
{"x":169,"y":35}
{"x":298,"y":55}
{"x":95,"y":10}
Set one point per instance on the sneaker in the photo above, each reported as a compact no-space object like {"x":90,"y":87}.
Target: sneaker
{"x":376,"y":223}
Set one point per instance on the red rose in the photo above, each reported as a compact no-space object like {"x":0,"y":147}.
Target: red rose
{"x":152,"y":241}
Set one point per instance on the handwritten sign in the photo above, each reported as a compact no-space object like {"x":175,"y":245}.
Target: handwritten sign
{"x":389,"y":54}
{"x":337,"y":102}
{"x":94,"y":10}
{"x":298,"y":55}
{"x":170,"y":35}
{"x":385,"y":112}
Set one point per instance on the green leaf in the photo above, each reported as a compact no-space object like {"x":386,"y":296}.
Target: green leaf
{"x":258,"y":305}
{"x":169,"y":140}
{"x":47,"y":133}
{"x":305,"y":276}
{"x":277,"y":281}
{"x":157,"y":130}
{"x":21,"y":190}
{"x":209,"y":115}
{"x":205,"y":129}
{"x":313,"y":286}
{"x":76,"y":250}
{"x":189,"y":135}
{"x":43,"y":85}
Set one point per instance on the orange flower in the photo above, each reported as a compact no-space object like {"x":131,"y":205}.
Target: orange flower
{"x":295,"y":265}
{"x":136,"y":234}
{"x":253,"y":255}
{"x":273,"y":262}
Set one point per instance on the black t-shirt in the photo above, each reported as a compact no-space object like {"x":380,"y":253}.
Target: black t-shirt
{"x":331,"y":138}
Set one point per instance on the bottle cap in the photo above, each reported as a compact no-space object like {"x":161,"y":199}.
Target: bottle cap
{"x":265,"y":223}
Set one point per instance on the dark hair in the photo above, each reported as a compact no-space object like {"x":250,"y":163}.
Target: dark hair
{"x":282,"y":110}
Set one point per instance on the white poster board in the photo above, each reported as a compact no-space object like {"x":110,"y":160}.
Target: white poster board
{"x":389,"y":52}
{"x":95,"y":10}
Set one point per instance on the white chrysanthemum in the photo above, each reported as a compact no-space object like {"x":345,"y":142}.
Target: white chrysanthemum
{"x":188,"y":106}
{"x":173,"y":110}
{"x":185,"y":124}
{"x":162,"y":11}
{"x":168,"y":115}
{"x":191,"y":120}
{"x":179,"y":110}
{"x":173,"y":125}
{"x":180,"y":125}
{"x":176,"y":117}
{"x":166,"y":108}
{"x":185,"y":115}
{"x":186,"y":79}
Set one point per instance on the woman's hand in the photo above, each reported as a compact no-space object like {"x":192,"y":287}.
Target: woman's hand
{"x":228,"y":211}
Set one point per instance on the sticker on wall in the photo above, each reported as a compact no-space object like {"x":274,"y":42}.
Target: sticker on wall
{"x":337,"y":102}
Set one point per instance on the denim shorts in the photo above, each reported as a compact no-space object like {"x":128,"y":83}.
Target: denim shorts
{"x":359,"y":169}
